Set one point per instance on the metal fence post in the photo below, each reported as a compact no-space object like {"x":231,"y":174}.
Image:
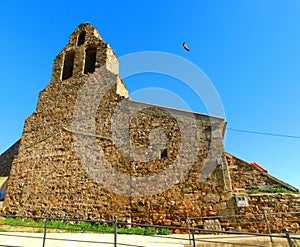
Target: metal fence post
{"x":268,"y":226}
{"x":115,"y":230}
{"x":288,"y":237}
{"x":193,"y":237}
{"x":45,"y":231}
{"x":189,"y":227}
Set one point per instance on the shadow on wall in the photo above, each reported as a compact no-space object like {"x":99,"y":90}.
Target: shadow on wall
{"x":3,"y":181}
{"x":3,"y":192}
{"x":7,"y":158}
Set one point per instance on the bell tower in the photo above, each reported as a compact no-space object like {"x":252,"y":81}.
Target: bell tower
{"x":46,"y":172}
{"x":85,"y":52}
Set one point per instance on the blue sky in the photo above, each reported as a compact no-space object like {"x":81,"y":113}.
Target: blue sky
{"x":249,"y":49}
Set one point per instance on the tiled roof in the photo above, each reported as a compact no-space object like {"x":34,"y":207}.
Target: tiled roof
{"x":258,"y":166}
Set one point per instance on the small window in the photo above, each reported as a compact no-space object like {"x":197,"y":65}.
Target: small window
{"x":81,"y":38}
{"x":68,"y":65}
{"x":90,"y":60}
{"x":164,"y":153}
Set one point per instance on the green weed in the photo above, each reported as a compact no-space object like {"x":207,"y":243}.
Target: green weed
{"x":80,"y":227}
{"x":271,"y":190}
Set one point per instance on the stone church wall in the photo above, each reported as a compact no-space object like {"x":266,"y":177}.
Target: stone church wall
{"x":70,"y":167}
{"x":245,"y":177}
{"x":90,"y":152}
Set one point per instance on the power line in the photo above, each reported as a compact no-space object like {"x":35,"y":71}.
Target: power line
{"x":264,"y":133}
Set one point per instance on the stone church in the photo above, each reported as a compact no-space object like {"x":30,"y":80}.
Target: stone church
{"x":90,"y":152}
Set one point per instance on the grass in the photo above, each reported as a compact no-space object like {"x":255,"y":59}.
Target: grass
{"x":271,"y":190}
{"x":78,"y":227}
{"x":149,"y":231}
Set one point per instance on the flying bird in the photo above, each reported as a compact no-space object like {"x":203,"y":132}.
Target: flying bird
{"x":184,"y":45}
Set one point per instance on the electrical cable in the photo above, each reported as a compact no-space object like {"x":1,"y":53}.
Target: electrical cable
{"x":263,"y":133}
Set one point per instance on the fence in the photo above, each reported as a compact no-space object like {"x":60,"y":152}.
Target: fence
{"x":195,"y":237}
{"x":259,"y":223}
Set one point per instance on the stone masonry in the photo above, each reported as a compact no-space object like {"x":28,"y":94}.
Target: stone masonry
{"x":49,"y":178}
{"x":90,"y":152}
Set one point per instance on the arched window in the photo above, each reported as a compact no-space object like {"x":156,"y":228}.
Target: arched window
{"x":81,"y":38}
{"x":164,"y":153}
{"x":68,"y":65}
{"x":90,"y":60}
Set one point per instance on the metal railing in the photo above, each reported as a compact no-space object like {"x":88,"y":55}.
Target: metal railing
{"x":196,"y":234}
{"x":260,"y":223}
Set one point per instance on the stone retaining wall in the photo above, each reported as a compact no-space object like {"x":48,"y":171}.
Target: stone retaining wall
{"x":281,"y":211}
{"x":277,"y":206}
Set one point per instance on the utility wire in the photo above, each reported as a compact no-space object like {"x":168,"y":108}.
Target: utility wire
{"x":264,"y":133}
